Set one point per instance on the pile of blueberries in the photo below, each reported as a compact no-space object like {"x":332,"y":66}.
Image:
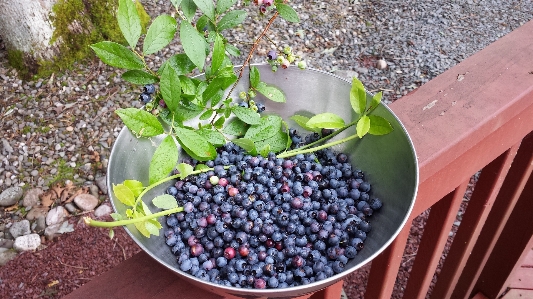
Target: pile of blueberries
{"x":265,"y":222}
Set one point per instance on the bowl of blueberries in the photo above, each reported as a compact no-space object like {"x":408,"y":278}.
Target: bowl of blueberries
{"x":268,"y":227}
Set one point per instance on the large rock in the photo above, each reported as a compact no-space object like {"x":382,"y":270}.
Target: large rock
{"x":10,"y":196}
{"x":27,"y":242}
{"x":56,"y":215}
{"x":20,"y":228}
{"x":6,"y":256}
{"x":86,"y":202}
{"x":31,"y":198}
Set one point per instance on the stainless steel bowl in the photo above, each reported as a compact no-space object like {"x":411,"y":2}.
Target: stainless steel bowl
{"x":389,"y":163}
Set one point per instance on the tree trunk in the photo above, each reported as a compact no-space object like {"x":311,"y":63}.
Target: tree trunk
{"x":44,"y":36}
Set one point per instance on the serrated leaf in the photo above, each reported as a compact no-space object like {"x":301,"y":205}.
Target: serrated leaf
{"x":193,"y":43}
{"x":219,"y":52}
{"x":139,"y":77}
{"x":184,"y":170}
{"x":219,"y":123}
{"x":277,"y":143}
{"x":203,"y":24}
{"x":379,"y":125}
{"x":170,"y":87}
{"x":142,"y":229}
{"x":129,"y":22}
{"x":187,"y":110}
{"x":376,"y":99}
{"x":188,"y":7}
{"x":231,"y":19}
{"x":216,"y":98}
{"x":235,"y":127}
{"x":207,"y":114}
{"x":187,"y":85}
{"x":207,"y":7}
{"x":140,"y":122}
{"x":287,"y":12}
{"x":135,"y":186}
{"x":232,"y":50}
{"x":267,"y":127}
{"x":247,"y":115}
{"x":165,"y":202}
{"x":117,"y":55}
{"x":255,"y":77}
{"x":214,"y":137}
{"x":247,"y":145}
{"x":265,"y":150}
{"x":160,"y":34}
{"x":271,"y":92}
{"x":193,"y":143}
{"x":163,"y":161}
{"x":363,"y":125}
{"x":302,"y":122}
{"x":116,"y":216}
{"x":326,"y":121}
{"x":223,"y":5}
{"x":124,"y":195}
{"x":180,"y":63}
{"x":358,"y":96}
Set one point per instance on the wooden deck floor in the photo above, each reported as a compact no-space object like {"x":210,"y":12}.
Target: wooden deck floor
{"x":521,"y":286}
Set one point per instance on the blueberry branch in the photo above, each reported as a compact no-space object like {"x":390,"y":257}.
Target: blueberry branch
{"x":96,"y":223}
{"x":316,"y":148}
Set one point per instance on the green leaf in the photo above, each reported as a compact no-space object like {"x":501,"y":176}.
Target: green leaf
{"x":246,"y":144}
{"x":170,"y":118}
{"x":160,"y":34}
{"x":216,"y":98}
{"x":267,"y":127}
{"x":111,"y":233}
{"x":187,"y":110}
{"x":188,"y":7}
{"x":271,"y":92}
{"x":358,"y":96}
{"x":219,"y":52}
{"x":116,"y":216}
{"x":164,"y":160}
{"x":180,"y":62}
{"x":219,"y":123}
{"x":265,"y":150}
{"x":363,"y":125}
{"x":277,"y":143}
{"x":287,"y":12}
{"x":139,"y":77}
{"x":165,"y":202}
{"x":176,"y":3}
{"x":207,"y":114}
{"x":203,"y":24}
{"x":187,"y":85}
{"x":129,"y":22}
{"x":379,"y":125}
{"x":232,"y":50}
{"x":124,"y":195}
{"x":117,"y":55}
{"x":231,"y":19}
{"x":170,"y":87}
{"x":223,"y":5}
{"x":214,"y":137}
{"x":255,"y":77}
{"x":136,"y":187}
{"x":193,"y":44}
{"x":184,"y":170}
{"x":140,"y":122}
{"x":141,"y":227}
{"x":235,"y":127}
{"x":222,"y":81}
{"x":376,"y":99}
{"x":302,"y":122}
{"x":201,"y":167}
{"x":207,"y":7}
{"x":326,"y":121}
{"x":194,"y":143}
{"x":247,"y":115}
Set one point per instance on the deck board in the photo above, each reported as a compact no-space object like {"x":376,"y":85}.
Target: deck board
{"x":518,"y":294}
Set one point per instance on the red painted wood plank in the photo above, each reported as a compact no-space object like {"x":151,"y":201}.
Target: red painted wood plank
{"x":485,"y":193}
{"x":522,"y":278}
{"x":528,"y":262}
{"x":505,"y":202}
{"x":518,"y":294}
{"x":479,"y":296}
{"x":439,"y":223}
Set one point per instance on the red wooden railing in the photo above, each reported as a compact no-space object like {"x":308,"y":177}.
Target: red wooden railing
{"x":478,"y":122}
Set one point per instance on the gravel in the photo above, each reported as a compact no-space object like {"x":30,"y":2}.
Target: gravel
{"x":63,"y":127}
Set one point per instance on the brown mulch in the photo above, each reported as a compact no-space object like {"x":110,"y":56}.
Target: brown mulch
{"x":65,"y":264}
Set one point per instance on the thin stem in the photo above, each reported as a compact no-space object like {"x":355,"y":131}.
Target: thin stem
{"x":314,"y":149}
{"x":91,"y":222}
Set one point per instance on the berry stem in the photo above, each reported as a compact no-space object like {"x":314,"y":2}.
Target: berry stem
{"x":316,"y":148}
{"x":96,"y":223}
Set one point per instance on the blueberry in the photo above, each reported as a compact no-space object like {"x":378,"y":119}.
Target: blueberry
{"x":145,"y":98}
{"x":149,"y":89}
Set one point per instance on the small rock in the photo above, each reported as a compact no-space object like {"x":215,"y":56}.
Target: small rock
{"x":10,"y":196}
{"x":53,"y":231}
{"x":101,"y":182}
{"x":31,"y":198}
{"x":20,"y":228}
{"x":7,"y":147}
{"x":27,"y":242}
{"x":40,"y":224}
{"x":56,"y":215}
{"x":381,"y":64}
{"x":71,"y":208}
{"x":36,"y":212}
{"x":93,"y":189}
{"x":7,"y":256}
{"x":34,"y":173}
{"x":6,"y":243}
{"x":102,"y":211}
{"x":86,"y":202}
